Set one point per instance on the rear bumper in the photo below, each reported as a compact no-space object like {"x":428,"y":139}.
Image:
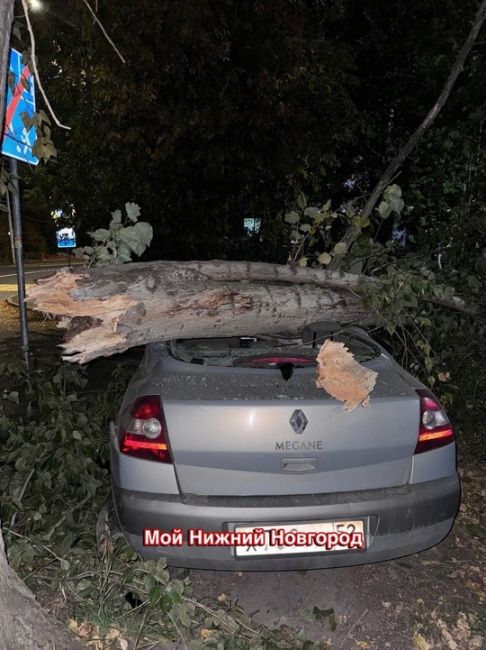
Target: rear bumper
{"x":398,"y":521}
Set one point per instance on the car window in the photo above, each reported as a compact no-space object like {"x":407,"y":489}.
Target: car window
{"x":264,"y":351}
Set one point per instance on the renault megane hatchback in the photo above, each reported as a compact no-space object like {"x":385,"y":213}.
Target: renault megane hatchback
{"x":225,"y":455}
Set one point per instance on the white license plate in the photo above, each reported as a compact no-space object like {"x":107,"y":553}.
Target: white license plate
{"x":353,"y":526}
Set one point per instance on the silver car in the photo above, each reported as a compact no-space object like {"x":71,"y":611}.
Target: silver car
{"x":225,"y":455}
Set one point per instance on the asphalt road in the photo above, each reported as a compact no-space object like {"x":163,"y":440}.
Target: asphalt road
{"x":33,"y":271}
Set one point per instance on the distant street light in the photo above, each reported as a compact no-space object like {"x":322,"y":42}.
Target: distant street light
{"x":36,"y":5}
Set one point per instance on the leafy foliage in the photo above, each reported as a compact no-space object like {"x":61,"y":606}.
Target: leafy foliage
{"x":54,"y":486}
{"x":314,"y":228}
{"x":125,"y":236}
{"x":405,"y":292}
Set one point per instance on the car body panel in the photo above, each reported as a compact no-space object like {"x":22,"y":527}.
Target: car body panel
{"x":398,"y":521}
{"x":237,"y":458}
{"x":235,"y":448}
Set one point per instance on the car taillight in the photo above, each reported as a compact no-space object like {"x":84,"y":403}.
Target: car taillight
{"x":435,"y":429}
{"x":144,"y":433}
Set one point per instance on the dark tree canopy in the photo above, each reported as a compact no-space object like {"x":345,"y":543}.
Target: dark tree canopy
{"x":223,"y":110}
{"x":228,"y":109}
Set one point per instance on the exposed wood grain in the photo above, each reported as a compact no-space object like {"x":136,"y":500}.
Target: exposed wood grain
{"x":106,"y":310}
{"x":342,"y":376}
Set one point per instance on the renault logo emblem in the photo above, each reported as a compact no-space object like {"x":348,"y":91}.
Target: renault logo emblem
{"x":298,"y":421}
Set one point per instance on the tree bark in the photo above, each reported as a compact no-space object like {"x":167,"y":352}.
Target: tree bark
{"x":105,"y":310}
{"x":24,"y":625}
{"x":353,"y":232}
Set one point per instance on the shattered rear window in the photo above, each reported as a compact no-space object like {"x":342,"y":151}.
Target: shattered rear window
{"x":264,"y":351}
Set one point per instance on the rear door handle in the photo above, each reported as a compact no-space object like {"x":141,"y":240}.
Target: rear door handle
{"x":299,"y":464}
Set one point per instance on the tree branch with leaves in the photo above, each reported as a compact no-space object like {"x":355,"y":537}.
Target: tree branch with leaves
{"x":353,"y":231}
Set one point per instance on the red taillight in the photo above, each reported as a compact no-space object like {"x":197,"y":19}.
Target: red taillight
{"x":144,"y":434}
{"x":435,"y":429}
{"x":147,"y":407}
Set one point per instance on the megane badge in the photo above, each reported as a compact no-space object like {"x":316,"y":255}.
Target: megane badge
{"x":298,"y":421}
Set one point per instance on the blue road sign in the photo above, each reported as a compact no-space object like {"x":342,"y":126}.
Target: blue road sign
{"x":66,"y":238}
{"x":17,"y":141}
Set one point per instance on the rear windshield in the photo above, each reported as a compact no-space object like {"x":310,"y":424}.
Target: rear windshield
{"x":264,"y":351}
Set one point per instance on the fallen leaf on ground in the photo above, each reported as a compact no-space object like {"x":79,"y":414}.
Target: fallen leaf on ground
{"x":421,"y":643}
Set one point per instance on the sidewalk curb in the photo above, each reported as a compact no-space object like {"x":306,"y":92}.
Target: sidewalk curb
{"x":13,"y":301}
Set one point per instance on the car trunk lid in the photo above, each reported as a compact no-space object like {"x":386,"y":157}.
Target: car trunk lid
{"x":250,"y":431}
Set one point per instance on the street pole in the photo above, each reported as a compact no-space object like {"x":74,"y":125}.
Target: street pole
{"x":19,"y":262}
{"x":10,"y":227}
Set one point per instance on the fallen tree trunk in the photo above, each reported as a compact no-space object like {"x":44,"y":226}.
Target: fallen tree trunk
{"x":109,"y":309}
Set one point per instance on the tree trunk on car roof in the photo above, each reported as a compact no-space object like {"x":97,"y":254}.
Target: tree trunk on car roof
{"x":105,"y":310}
{"x":109,"y":309}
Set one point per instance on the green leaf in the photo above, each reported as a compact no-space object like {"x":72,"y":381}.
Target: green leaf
{"x":292,"y":217}
{"x":302,"y":201}
{"x":133,"y":211}
{"x":396,"y":204}
{"x":43,"y":116}
{"x":311,"y":212}
{"x":116,"y":216}
{"x":12,"y":396}
{"x":144,"y":232}
{"x":324,"y":258}
{"x":305,"y":227}
{"x":392,"y":201}
{"x":340,"y":248}
{"x":303,"y":261}
{"x":26,"y":119}
{"x":123,"y":253}
{"x":131,"y":238}
{"x":102,"y":254}
{"x":394,"y":191}
{"x":384,"y":209}
{"x":101,"y":235}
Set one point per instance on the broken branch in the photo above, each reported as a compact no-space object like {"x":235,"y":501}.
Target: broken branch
{"x":353,"y":231}
{"x":105,"y":310}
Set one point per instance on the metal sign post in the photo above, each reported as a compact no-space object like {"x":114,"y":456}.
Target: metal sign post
{"x":18,"y":139}
{"x":19,"y":262}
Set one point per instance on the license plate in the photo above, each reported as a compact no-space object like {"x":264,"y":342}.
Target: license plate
{"x":269,"y":548}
